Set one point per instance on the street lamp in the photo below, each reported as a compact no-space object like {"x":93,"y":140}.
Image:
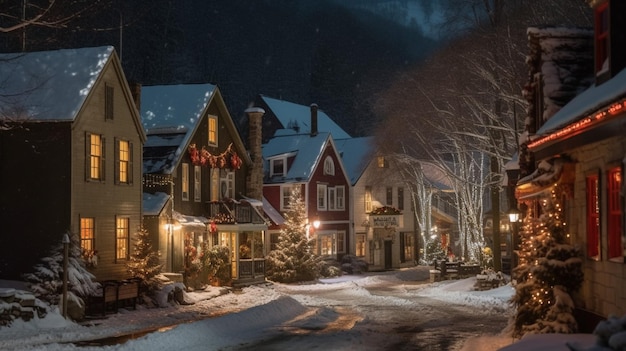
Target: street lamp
{"x":514,"y":217}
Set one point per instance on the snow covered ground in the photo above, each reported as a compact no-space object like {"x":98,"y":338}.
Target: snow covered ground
{"x":252,"y":314}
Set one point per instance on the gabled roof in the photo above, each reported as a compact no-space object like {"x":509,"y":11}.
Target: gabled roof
{"x":307,"y":149}
{"x":291,"y":115}
{"x":356,"y":154}
{"x":49,"y":85}
{"x":171,"y":114}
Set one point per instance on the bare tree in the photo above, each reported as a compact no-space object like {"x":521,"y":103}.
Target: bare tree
{"x":460,"y":108}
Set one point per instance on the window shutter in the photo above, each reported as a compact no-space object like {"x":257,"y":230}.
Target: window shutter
{"x":102,"y":160}
{"x":87,"y":156}
{"x":116,"y":161}
{"x":130,"y":163}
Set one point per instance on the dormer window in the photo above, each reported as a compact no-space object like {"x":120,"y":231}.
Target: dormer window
{"x":278,"y":167}
{"x":329,"y":166}
{"x":602,"y":38}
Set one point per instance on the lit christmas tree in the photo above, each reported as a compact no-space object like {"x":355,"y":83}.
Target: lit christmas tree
{"x":144,"y":262}
{"x":293,"y":259}
{"x":549,"y":272}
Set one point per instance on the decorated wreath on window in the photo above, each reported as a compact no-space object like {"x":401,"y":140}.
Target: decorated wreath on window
{"x":227,"y":159}
{"x":386,"y":210}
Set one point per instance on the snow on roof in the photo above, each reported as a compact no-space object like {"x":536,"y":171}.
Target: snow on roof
{"x":356,"y":153}
{"x":272,"y":213}
{"x":170,"y":115}
{"x":49,"y":85}
{"x":587,"y":103}
{"x":290,"y":115}
{"x":153,"y":203}
{"x":308,"y":149}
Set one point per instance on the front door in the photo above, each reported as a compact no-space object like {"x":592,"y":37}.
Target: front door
{"x":388,"y":260}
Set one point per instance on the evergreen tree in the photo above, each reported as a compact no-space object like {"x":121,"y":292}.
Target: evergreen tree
{"x":46,"y":281}
{"x":293,"y":259}
{"x":549,"y":272}
{"x":144,"y":261}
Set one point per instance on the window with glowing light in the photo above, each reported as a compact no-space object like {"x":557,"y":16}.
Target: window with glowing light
{"x":593,"y":217}
{"x":185,"y":181}
{"x":87,"y":234}
{"x":212,"y":131}
{"x":614,"y":215}
{"x":95,"y":156}
{"x":360,"y":245}
{"x":123,"y":162}
{"x":122,"y":237}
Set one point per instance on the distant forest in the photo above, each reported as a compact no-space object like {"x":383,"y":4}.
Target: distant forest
{"x":300,"y":51}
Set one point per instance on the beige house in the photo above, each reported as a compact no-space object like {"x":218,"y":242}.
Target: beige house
{"x":71,"y":128}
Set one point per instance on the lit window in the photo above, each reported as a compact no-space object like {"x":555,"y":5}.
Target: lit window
{"x":360,"y":245}
{"x":329,"y":166}
{"x":408,"y":246}
{"x":87,"y":234}
{"x":95,"y":157}
{"x":185,"y":181}
{"x":382,"y":163}
{"x":213,"y":130}
{"x":593,"y":218}
{"x":123,"y":162}
{"x":197,"y":183}
{"x":321,"y":197}
{"x":122,"y":238}
{"x":368,"y":199}
{"x":614,"y":220}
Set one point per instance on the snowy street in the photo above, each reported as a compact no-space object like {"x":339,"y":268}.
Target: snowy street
{"x":397,"y":310}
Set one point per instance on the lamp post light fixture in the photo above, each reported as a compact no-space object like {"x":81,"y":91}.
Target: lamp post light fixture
{"x":514,"y":217}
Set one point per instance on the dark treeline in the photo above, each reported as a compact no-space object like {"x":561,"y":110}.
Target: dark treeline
{"x":300,"y":51}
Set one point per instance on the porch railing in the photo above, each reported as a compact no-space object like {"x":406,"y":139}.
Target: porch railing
{"x":232,"y":212}
{"x":251,"y":268}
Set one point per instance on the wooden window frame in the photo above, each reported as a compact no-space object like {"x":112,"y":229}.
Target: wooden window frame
{"x":123,"y":165}
{"x":87,"y":235}
{"x":400,"y":192}
{"x":592,"y":216}
{"x":184,"y":181}
{"x":389,"y":196}
{"x":614,"y":199}
{"x":285,"y":195}
{"x":122,"y":238}
{"x":95,"y":157}
{"x":329,"y":166}
{"x":212,"y":130}
{"x":367,"y":197}
{"x":197,"y":183}
{"x":322,"y":197}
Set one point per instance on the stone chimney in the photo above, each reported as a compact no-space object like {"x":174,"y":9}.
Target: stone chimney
{"x":313,"y":119}
{"x":135,"y":90}
{"x":254,"y":182}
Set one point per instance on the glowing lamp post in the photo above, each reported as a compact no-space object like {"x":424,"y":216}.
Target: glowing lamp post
{"x":514,"y":216}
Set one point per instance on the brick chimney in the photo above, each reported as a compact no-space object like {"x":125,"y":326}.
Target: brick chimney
{"x":313,"y":119}
{"x":135,"y":90}
{"x":254,"y":182}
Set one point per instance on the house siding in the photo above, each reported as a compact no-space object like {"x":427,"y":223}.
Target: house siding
{"x":604,"y":287}
{"x":104,"y":200}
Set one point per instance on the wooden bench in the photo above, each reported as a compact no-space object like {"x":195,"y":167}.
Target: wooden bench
{"x":444,"y":270}
{"x":113,"y":295}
